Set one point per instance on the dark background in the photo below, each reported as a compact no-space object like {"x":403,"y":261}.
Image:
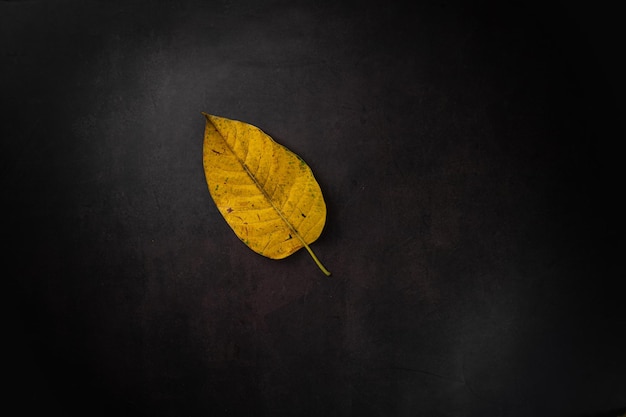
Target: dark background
{"x":468,"y":157}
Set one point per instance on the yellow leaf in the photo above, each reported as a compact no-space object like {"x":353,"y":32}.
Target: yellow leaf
{"x":266,"y":193}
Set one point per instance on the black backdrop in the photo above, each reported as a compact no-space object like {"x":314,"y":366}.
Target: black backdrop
{"x":468,"y":156}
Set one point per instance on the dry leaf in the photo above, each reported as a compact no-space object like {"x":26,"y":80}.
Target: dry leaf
{"x":266,"y":193}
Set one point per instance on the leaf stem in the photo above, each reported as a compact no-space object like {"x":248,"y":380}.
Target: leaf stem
{"x":317,"y":261}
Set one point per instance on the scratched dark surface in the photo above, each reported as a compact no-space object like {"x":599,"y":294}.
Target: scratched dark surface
{"x":468,"y":157}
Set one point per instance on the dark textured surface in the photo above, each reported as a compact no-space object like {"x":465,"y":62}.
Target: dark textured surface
{"x":468,"y":157}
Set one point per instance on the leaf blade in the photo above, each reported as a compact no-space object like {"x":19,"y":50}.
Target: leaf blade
{"x":266,"y":193}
